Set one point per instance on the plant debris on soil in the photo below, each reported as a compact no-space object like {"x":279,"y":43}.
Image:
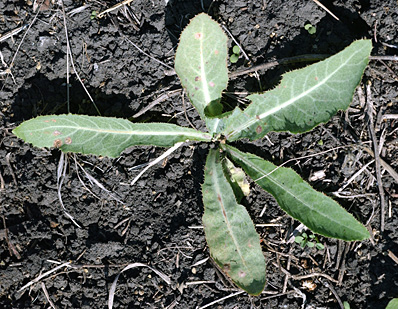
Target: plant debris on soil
{"x":125,"y":61}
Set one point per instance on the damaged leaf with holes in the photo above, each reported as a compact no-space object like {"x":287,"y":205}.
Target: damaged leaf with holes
{"x":304,"y":99}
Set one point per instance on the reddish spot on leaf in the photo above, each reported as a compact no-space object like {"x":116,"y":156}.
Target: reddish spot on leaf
{"x":226,"y":267}
{"x":46,"y":121}
{"x":316,"y":77}
{"x":57,"y":143}
{"x":198,"y":35}
{"x":257,"y":117}
{"x":53,"y":120}
{"x":211,"y":84}
{"x":56,"y":133}
{"x":198,"y":78}
{"x":223,"y":210}
{"x":68,"y":140}
{"x":241,"y":274}
{"x":259,"y":129}
{"x":196,"y":88}
{"x":216,"y":52}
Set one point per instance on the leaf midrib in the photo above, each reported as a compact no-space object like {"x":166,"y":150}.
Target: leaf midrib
{"x":122,"y":132}
{"x":205,"y":87}
{"x":218,"y":189}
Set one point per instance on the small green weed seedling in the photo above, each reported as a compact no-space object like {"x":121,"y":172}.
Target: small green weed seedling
{"x":310,"y":241}
{"x":93,"y":14}
{"x":303,"y":99}
{"x":235,"y":54}
{"x":310,"y":28}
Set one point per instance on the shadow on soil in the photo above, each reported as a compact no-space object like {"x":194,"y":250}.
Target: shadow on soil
{"x":41,"y":96}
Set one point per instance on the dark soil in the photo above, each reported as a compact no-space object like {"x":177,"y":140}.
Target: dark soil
{"x":153,"y":222}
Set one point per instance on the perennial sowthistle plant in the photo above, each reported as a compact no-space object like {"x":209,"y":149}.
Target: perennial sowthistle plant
{"x":303,"y":99}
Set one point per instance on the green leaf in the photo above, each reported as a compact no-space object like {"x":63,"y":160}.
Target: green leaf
{"x":236,"y":50}
{"x":299,"y":239}
{"x":234,"y":58}
{"x":393,"y":304}
{"x":310,"y":28}
{"x":233,"y":242}
{"x":201,"y":64}
{"x":304,"y":98}
{"x":317,"y":211}
{"x":101,"y":135}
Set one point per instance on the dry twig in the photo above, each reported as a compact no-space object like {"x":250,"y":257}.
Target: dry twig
{"x":158,"y":100}
{"x":37,"y":279}
{"x":11,"y":170}
{"x":61,"y":174}
{"x":69,"y":56}
{"x":157,"y":160}
{"x":326,"y":9}
{"x":369,"y":103}
{"x":11,"y":33}
{"x":185,"y":110}
{"x":133,"y":265}
{"x":125,"y":2}
{"x":2,"y":183}
{"x":11,"y":248}
{"x":342,"y":265}
{"x":383,"y":163}
{"x":43,"y":287}
{"x":393,"y":256}
{"x":311,"y":275}
{"x":221,"y":299}
{"x":331,"y":288}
